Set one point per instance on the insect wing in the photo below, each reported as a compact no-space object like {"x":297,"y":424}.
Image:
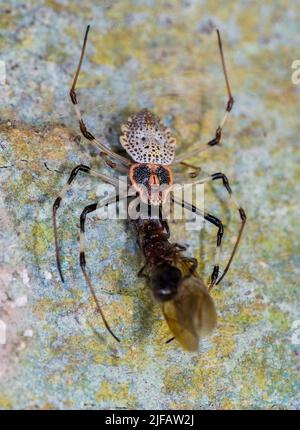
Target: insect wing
{"x":191,"y":315}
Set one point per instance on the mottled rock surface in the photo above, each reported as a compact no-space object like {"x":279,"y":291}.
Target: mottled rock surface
{"x":161,"y":55}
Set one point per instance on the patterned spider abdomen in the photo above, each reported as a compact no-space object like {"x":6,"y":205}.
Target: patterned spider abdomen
{"x":147,"y":140}
{"x":152,"y":181}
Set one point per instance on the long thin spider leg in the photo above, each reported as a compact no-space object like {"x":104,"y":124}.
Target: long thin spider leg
{"x":243,"y":217}
{"x":213,"y":220}
{"x":57,"y":202}
{"x":57,"y":251}
{"x":164,"y":223}
{"x":88,"y":209}
{"x":218,"y":135}
{"x":242,"y":214}
{"x":230,"y":98}
{"x":196,"y":169}
{"x":105,"y":151}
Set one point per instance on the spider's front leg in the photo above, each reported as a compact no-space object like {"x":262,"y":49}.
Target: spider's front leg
{"x":218,"y":134}
{"x":88,"y":209}
{"x":105,"y":151}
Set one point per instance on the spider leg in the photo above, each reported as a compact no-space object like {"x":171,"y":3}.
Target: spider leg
{"x":141,"y":273}
{"x":164,"y":223}
{"x":196,"y":169}
{"x":218,"y":135}
{"x":242,"y":214}
{"x":180,"y":247}
{"x":88,"y":209}
{"x":57,"y":202}
{"x":183,"y":176}
{"x":213,"y":220}
{"x":105,"y":151}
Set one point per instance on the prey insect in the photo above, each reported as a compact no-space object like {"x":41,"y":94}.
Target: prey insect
{"x":185,"y":300}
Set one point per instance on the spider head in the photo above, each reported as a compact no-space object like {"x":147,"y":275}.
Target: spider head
{"x":153,"y":182}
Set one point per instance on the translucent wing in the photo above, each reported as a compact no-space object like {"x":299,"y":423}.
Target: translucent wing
{"x":191,"y":315}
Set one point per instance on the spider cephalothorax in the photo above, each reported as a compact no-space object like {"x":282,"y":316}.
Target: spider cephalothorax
{"x":147,"y":140}
{"x":153,"y":182}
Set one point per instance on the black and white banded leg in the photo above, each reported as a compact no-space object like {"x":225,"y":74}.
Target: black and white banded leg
{"x":57,"y":202}
{"x":216,"y":222}
{"x":88,"y":209}
{"x":242,"y":214}
{"x":105,"y":151}
{"x":218,"y":135}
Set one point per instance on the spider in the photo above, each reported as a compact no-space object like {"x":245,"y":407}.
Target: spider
{"x":151,"y":148}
